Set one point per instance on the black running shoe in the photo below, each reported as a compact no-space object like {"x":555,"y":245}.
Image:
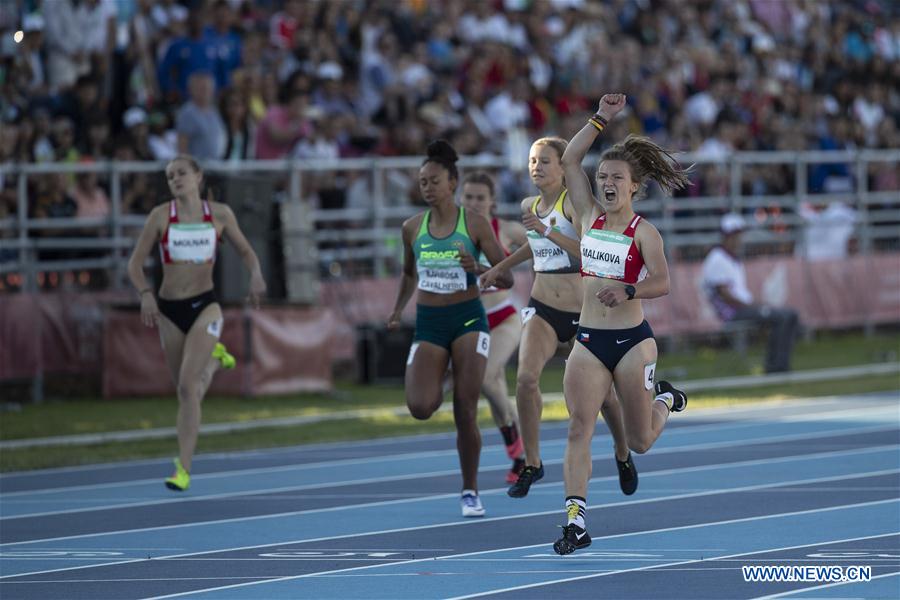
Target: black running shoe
{"x":628,"y":475}
{"x":528,"y":476}
{"x":573,"y":538}
{"x":679,"y":402}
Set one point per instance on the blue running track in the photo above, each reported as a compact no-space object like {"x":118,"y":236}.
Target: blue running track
{"x":802,"y":483}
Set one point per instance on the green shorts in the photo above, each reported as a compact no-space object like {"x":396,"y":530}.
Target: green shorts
{"x":440,"y":325}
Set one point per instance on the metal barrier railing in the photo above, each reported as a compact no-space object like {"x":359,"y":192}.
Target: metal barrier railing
{"x":367,"y":234}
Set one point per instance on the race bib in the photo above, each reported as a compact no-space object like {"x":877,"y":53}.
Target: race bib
{"x":604,"y":253}
{"x":547,"y":255}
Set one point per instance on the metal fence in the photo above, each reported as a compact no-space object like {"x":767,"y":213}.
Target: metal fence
{"x":316,"y":219}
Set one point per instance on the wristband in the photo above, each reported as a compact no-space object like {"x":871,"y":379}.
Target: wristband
{"x":597,"y":124}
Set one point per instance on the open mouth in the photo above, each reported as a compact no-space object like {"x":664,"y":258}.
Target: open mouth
{"x":609,"y":195}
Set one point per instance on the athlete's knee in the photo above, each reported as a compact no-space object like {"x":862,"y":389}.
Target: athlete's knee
{"x":640,"y":442}
{"x":420,"y":410}
{"x":189,"y":391}
{"x":581,"y":428}
{"x":527,"y":381}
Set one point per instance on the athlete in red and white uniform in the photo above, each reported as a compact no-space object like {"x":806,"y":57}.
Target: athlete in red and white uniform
{"x":506,"y":327}
{"x":622,"y":262}
{"x":187,"y":313}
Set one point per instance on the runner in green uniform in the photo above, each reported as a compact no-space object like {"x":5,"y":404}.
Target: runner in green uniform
{"x":439,"y":249}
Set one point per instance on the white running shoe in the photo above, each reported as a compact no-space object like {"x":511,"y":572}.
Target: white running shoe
{"x":471,"y":504}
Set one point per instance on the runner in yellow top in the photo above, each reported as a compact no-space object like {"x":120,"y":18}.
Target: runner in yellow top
{"x":554,"y":310}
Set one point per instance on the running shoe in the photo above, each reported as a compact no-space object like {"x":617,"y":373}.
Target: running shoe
{"x":512,"y":475}
{"x":628,"y":475}
{"x":221,"y":354}
{"x":679,"y":398}
{"x":528,"y":476}
{"x":514,"y":445}
{"x":180,"y":480}
{"x":471,"y":504}
{"x":573,"y":538}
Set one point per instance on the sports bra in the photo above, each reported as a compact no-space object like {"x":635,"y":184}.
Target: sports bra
{"x":189,"y":243}
{"x":612,"y":255}
{"x":549,"y":257}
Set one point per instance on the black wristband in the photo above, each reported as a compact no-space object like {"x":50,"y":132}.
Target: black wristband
{"x":629,"y":291}
{"x":600,"y":118}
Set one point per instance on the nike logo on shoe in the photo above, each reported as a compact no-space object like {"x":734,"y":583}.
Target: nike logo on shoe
{"x":578,"y":536}
{"x":622,"y":341}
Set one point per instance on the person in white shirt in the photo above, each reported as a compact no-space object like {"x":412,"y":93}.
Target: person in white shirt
{"x":828,"y":230}
{"x":724,"y":282}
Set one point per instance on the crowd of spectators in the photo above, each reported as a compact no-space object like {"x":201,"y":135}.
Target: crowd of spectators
{"x":268,"y":79}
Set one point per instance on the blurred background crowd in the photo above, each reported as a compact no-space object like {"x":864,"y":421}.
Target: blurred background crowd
{"x":91,"y":80}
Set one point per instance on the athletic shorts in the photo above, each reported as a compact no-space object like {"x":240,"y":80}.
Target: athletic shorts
{"x":440,"y":325}
{"x":502,"y":313}
{"x":184,"y":312}
{"x":610,"y":345}
{"x":564,"y":324}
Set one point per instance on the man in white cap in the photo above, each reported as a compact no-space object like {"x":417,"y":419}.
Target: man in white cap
{"x":725,"y":284}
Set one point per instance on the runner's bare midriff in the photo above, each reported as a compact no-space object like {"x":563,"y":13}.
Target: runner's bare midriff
{"x":562,"y":291}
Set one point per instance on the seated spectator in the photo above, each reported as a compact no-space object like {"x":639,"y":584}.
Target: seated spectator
{"x":240,"y":130}
{"x":724,"y":281}
{"x":98,"y":143}
{"x":201,"y":131}
{"x":137,"y":133}
{"x":91,"y":200}
{"x":283,"y":126}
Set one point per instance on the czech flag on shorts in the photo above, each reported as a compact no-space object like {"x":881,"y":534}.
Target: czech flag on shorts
{"x":584,"y":337}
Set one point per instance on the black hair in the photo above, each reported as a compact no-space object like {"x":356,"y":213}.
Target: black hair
{"x":442,"y":153}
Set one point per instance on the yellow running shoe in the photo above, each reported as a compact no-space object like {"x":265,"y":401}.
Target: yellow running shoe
{"x":180,"y":480}
{"x":220,"y":353}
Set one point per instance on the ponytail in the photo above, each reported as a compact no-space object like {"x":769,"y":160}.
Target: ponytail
{"x":647,"y":160}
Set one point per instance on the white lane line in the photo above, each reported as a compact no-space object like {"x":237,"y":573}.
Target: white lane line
{"x":662,"y":530}
{"x":823,"y":404}
{"x":357,"y":461}
{"x":493,"y":491}
{"x":350,"y":482}
{"x":440,"y":525}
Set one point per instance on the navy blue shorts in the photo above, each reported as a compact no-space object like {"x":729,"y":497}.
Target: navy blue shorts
{"x":610,"y":345}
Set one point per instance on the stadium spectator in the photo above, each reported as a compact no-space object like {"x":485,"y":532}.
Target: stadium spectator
{"x":724,"y":281}
{"x":225,"y":42}
{"x":283,"y":126}
{"x":201,"y":131}
{"x":239,"y":127}
{"x":67,"y":57}
{"x":137,"y":134}
{"x":186,"y":55}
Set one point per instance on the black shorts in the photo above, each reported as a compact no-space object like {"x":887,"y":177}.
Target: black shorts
{"x":610,"y":345}
{"x":184,"y":312}
{"x":565,"y":324}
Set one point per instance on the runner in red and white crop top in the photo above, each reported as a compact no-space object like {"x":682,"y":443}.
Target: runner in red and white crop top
{"x":612,"y":255}
{"x":189,"y":243}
